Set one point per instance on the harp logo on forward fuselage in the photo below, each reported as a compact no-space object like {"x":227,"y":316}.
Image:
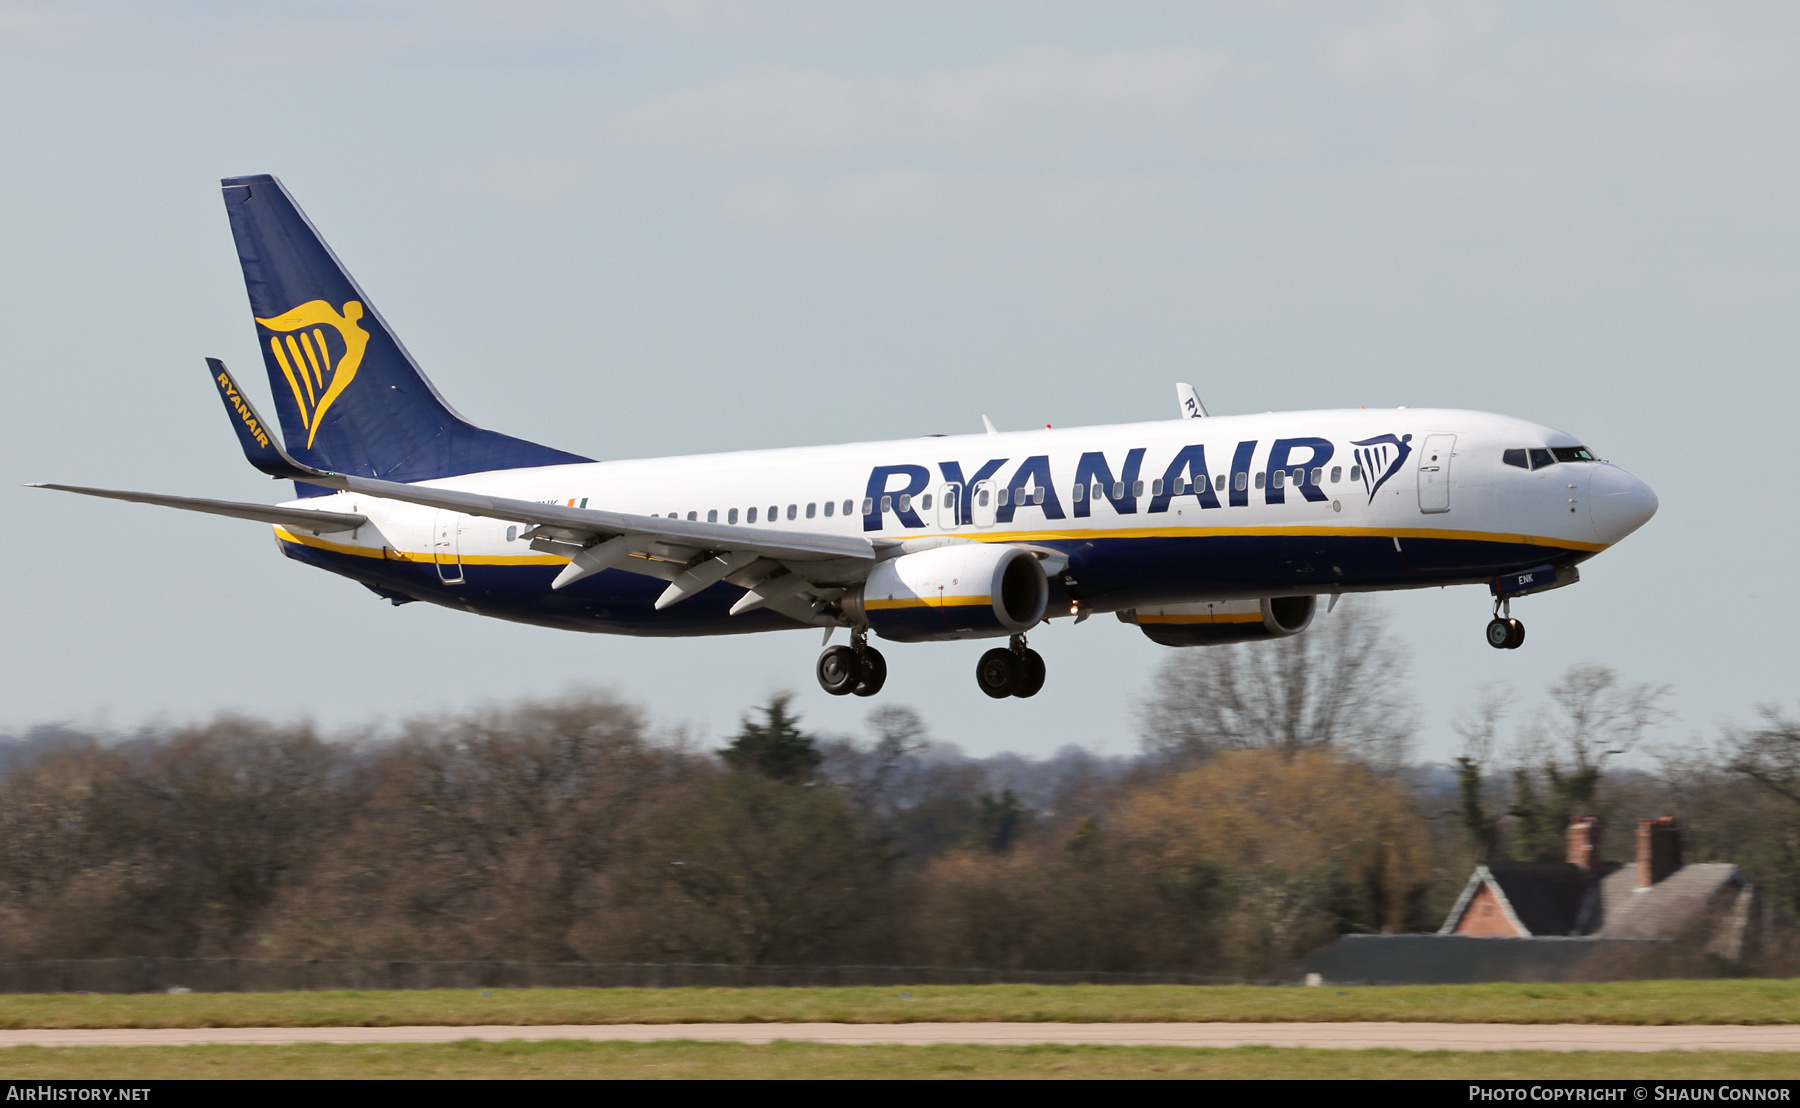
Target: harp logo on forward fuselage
{"x":319,"y":350}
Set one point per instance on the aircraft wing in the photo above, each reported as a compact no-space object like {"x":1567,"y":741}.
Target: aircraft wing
{"x":786,"y":545}
{"x":298,"y":518}
{"x":690,"y":554}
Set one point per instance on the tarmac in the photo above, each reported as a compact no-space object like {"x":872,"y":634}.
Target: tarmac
{"x":1326,"y":1036}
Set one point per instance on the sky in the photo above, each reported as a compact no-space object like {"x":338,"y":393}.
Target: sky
{"x":638,"y":229}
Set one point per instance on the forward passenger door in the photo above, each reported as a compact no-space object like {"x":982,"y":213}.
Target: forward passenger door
{"x":1434,"y":473}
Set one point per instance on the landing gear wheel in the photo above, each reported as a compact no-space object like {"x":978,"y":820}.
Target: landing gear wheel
{"x":1515,"y":634}
{"x":1499,"y":634}
{"x":840,"y":670}
{"x":1031,"y":677}
{"x":998,"y":672}
{"x":874,"y":673}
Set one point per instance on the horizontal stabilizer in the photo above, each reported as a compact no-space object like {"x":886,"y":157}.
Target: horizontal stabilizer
{"x":298,"y":518}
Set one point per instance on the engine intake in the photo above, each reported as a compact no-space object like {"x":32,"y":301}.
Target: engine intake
{"x":1224,"y":621}
{"x":965,"y":591}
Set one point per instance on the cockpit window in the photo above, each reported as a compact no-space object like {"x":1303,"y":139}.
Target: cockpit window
{"x":1572,"y":453}
{"x":1515,"y":458}
{"x":1541,"y":458}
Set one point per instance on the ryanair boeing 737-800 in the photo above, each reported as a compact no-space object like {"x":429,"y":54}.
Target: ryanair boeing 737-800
{"x":1200,"y":530}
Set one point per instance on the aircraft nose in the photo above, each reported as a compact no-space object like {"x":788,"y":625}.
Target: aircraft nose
{"x":1618,"y":503}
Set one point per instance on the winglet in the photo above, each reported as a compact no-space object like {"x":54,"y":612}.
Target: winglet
{"x":989,"y":424}
{"x":261,"y":446}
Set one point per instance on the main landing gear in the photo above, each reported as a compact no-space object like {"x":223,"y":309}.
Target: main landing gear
{"x":858,"y":668}
{"x":1014,"y":670}
{"x":1503,"y":631}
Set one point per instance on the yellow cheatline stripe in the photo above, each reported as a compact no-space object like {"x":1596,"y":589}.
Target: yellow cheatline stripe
{"x":929,"y":602}
{"x":1236,"y":617}
{"x":1272,"y":531}
{"x":383,"y":554}
{"x":288,"y":372}
{"x":1042,"y":536}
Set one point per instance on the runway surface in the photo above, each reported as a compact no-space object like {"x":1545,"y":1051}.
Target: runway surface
{"x":1330,"y":1036}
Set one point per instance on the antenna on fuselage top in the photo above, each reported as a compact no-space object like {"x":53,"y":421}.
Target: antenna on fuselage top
{"x":989,"y":424}
{"x":1191,"y":408}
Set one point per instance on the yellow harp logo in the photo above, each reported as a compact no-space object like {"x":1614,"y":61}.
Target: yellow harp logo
{"x":319,"y":351}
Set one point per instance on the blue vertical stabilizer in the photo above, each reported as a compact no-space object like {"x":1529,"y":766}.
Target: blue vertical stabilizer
{"x":349,"y":396}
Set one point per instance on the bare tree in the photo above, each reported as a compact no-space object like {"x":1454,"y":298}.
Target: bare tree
{"x":750,"y":870}
{"x":1337,"y":685}
{"x":1480,"y":730}
{"x":1594,"y":716}
{"x":1768,"y":755}
{"x":871,"y":775}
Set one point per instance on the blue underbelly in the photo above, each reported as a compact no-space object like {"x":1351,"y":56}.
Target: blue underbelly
{"x":1110,"y":573}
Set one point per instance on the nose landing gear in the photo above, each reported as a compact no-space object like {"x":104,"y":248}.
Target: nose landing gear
{"x":1503,"y":631}
{"x":858,"y":668}
{"x":1012,"y":670}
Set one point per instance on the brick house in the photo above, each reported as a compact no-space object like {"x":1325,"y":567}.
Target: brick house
{"x":1578,"y":919}
{"x":1657,"y":897}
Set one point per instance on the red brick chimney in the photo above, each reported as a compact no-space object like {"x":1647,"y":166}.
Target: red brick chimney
{"x":1583,"y":839}
{"x":1658,"y":850}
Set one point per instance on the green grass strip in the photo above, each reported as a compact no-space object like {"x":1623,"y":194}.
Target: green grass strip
{"x":563,"y":1059}
{"x":1738,"y":1001}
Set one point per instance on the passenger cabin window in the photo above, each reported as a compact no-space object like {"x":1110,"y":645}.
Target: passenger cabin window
{"x":731,"y":516}
{"x":1572,"y":453}
{"x":1515,"y":458}
{"x":1220,"y":486}
{"x":793,"y":511}
{"x":812,"y":510}
{"x":512,"y":534}
{"x":848,"y":506}
{"x":1355,"y":473}
{"x":868,"y":506}
{"x":1137,"y":488}
{"x":1001,"y":495}
{"x":712,"y":515}
{"x":1280,"y":479}
{"x":925,"y":503}
{"x":1078,"y":493}
{"x":1259,"y":481}
{"x":1242,"y":482}
{"x":887,"y":504}
{"x":1318,"y":476}
{"x":829,"y":504}
{"x":905,"y":503}
{"x":693,"y":515}
{"x":1156,"y":487}
{"x":1541,"y":458}
{"x":750,"y":515}
{"x":1337,"y":474}
{"x":981,"y":498}
{"x":774,"y":512}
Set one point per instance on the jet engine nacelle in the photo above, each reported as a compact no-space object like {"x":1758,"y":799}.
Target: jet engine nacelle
{"x":1224,"y":621}
{"x":966,"y":591}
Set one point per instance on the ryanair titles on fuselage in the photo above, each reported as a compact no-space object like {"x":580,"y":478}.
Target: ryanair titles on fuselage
{"x":1299,"y":463}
